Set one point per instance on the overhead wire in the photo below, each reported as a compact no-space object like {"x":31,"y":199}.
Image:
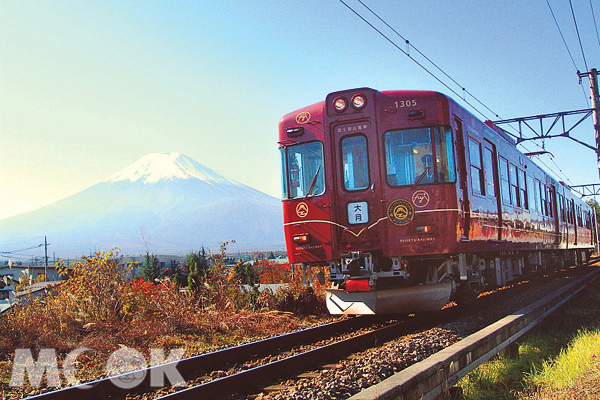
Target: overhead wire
{"x":562,"y":35}
{"x":556,"y":174}
{"x":426,"y":58}
{"x":37,"y":239}
{"x":21,"y":256}
{"x":578,"y":36}
{"x":561,"y":171}
{"x":20,"y":250}
{"x":410,"y":45}
{"x":412,"y":58}
{"x":568,"y":49}
{"x":595,"y":24}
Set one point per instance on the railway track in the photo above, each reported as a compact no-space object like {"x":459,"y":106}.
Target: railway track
{"x":203,"y":373}
{"x":252,"y":367}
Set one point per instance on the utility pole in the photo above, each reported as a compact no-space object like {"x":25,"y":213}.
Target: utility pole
{"x":593,"y":77}
{"x":46,"y":257}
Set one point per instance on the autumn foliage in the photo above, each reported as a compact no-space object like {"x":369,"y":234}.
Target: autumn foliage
{"x":98,"y":307}
{"x":273,"y":272}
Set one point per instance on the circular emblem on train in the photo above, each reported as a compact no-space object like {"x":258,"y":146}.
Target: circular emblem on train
{"x":400,"y":212}
{"x":420,"y":198}
{"x":303,"y":117}
{"x":302,"y":210}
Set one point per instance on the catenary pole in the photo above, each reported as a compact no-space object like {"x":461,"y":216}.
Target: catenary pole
{"x":593,"y":77}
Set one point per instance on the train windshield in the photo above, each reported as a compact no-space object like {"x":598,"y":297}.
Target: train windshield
{"x":303,"y":170}
{"x":410,"y":155}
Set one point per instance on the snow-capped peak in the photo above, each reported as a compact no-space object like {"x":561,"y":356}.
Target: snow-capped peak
{"x":167,"y":166}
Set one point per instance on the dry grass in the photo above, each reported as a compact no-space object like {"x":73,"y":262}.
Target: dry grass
{"x":99,"y":309}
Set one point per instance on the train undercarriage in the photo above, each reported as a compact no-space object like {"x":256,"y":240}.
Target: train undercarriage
{"x":368,"y":283}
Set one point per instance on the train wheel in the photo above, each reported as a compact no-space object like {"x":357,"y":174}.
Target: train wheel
{"x":464,"y":293}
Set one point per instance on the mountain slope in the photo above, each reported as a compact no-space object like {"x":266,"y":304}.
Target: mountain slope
{"x":167,"y":200}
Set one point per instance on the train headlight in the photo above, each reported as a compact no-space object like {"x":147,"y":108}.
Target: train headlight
{"x":359,"y":101}
{"x":340,"y":104}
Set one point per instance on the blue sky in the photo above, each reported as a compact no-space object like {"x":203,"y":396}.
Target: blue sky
{"x":88,"y":87}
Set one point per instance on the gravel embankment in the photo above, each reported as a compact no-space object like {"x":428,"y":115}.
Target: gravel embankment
{"x":364,"y":369}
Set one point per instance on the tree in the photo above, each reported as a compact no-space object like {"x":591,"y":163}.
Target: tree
{"x":150,"y":270}
{"x":245,"y":273}
{"x":178,"y":273}
{"x":595,"y":206}
{"x":194,"y":280}
{"x":200,"y":259}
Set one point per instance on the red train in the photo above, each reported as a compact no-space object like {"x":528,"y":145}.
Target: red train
{"x":411,"y":202}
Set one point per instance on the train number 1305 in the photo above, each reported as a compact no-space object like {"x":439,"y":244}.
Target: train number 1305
{"x":405,"y":103}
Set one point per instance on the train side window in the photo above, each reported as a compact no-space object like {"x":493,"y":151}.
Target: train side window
{"x":544,"y":193}
{"x":514,"y":188}
{"x":560,"y":206}
{"x":488,"y":164}
{"x":546,"y":200}
{"x":570,"y":211}
{"x":504,"y":184}
{"x":477,"y":182}
{"x":536,"y":192}
{"x":540,"y":197}
{"x":355,"y":162}
{"x":522,"y":189}
{"x":550,"y":202}
{"x":444,"y":154}
{"x":530,"y":193}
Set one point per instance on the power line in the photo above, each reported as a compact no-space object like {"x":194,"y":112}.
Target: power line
{"x":567,"y":47}
{"x":21,"y":256}
{"x":595,"y":25}
{"x":561,"y":171}
{"x":578,"y":36}
{"x":561,"y":35}
{"x":37,"y":239}
{"x":20,"y":250}
{"x":415,"y":61}
{"x":408,"y":43}
{"x":556,"y":174}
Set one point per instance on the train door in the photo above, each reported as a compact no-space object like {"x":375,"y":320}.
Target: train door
{"x":358,"y":186}
{"x":463,"y":195}
{"x":492,"y":188}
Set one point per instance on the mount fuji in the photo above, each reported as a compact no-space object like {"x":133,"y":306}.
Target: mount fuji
{"x":166,"y":203}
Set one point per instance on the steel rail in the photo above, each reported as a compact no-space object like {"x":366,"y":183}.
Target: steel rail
{"x":193,"y":367}
{"x":249,"y":380}
{"x":428,"y":379}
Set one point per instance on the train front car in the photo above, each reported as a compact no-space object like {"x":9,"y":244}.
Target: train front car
{"x":370,"y":191}
{"x":411,"y":201}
